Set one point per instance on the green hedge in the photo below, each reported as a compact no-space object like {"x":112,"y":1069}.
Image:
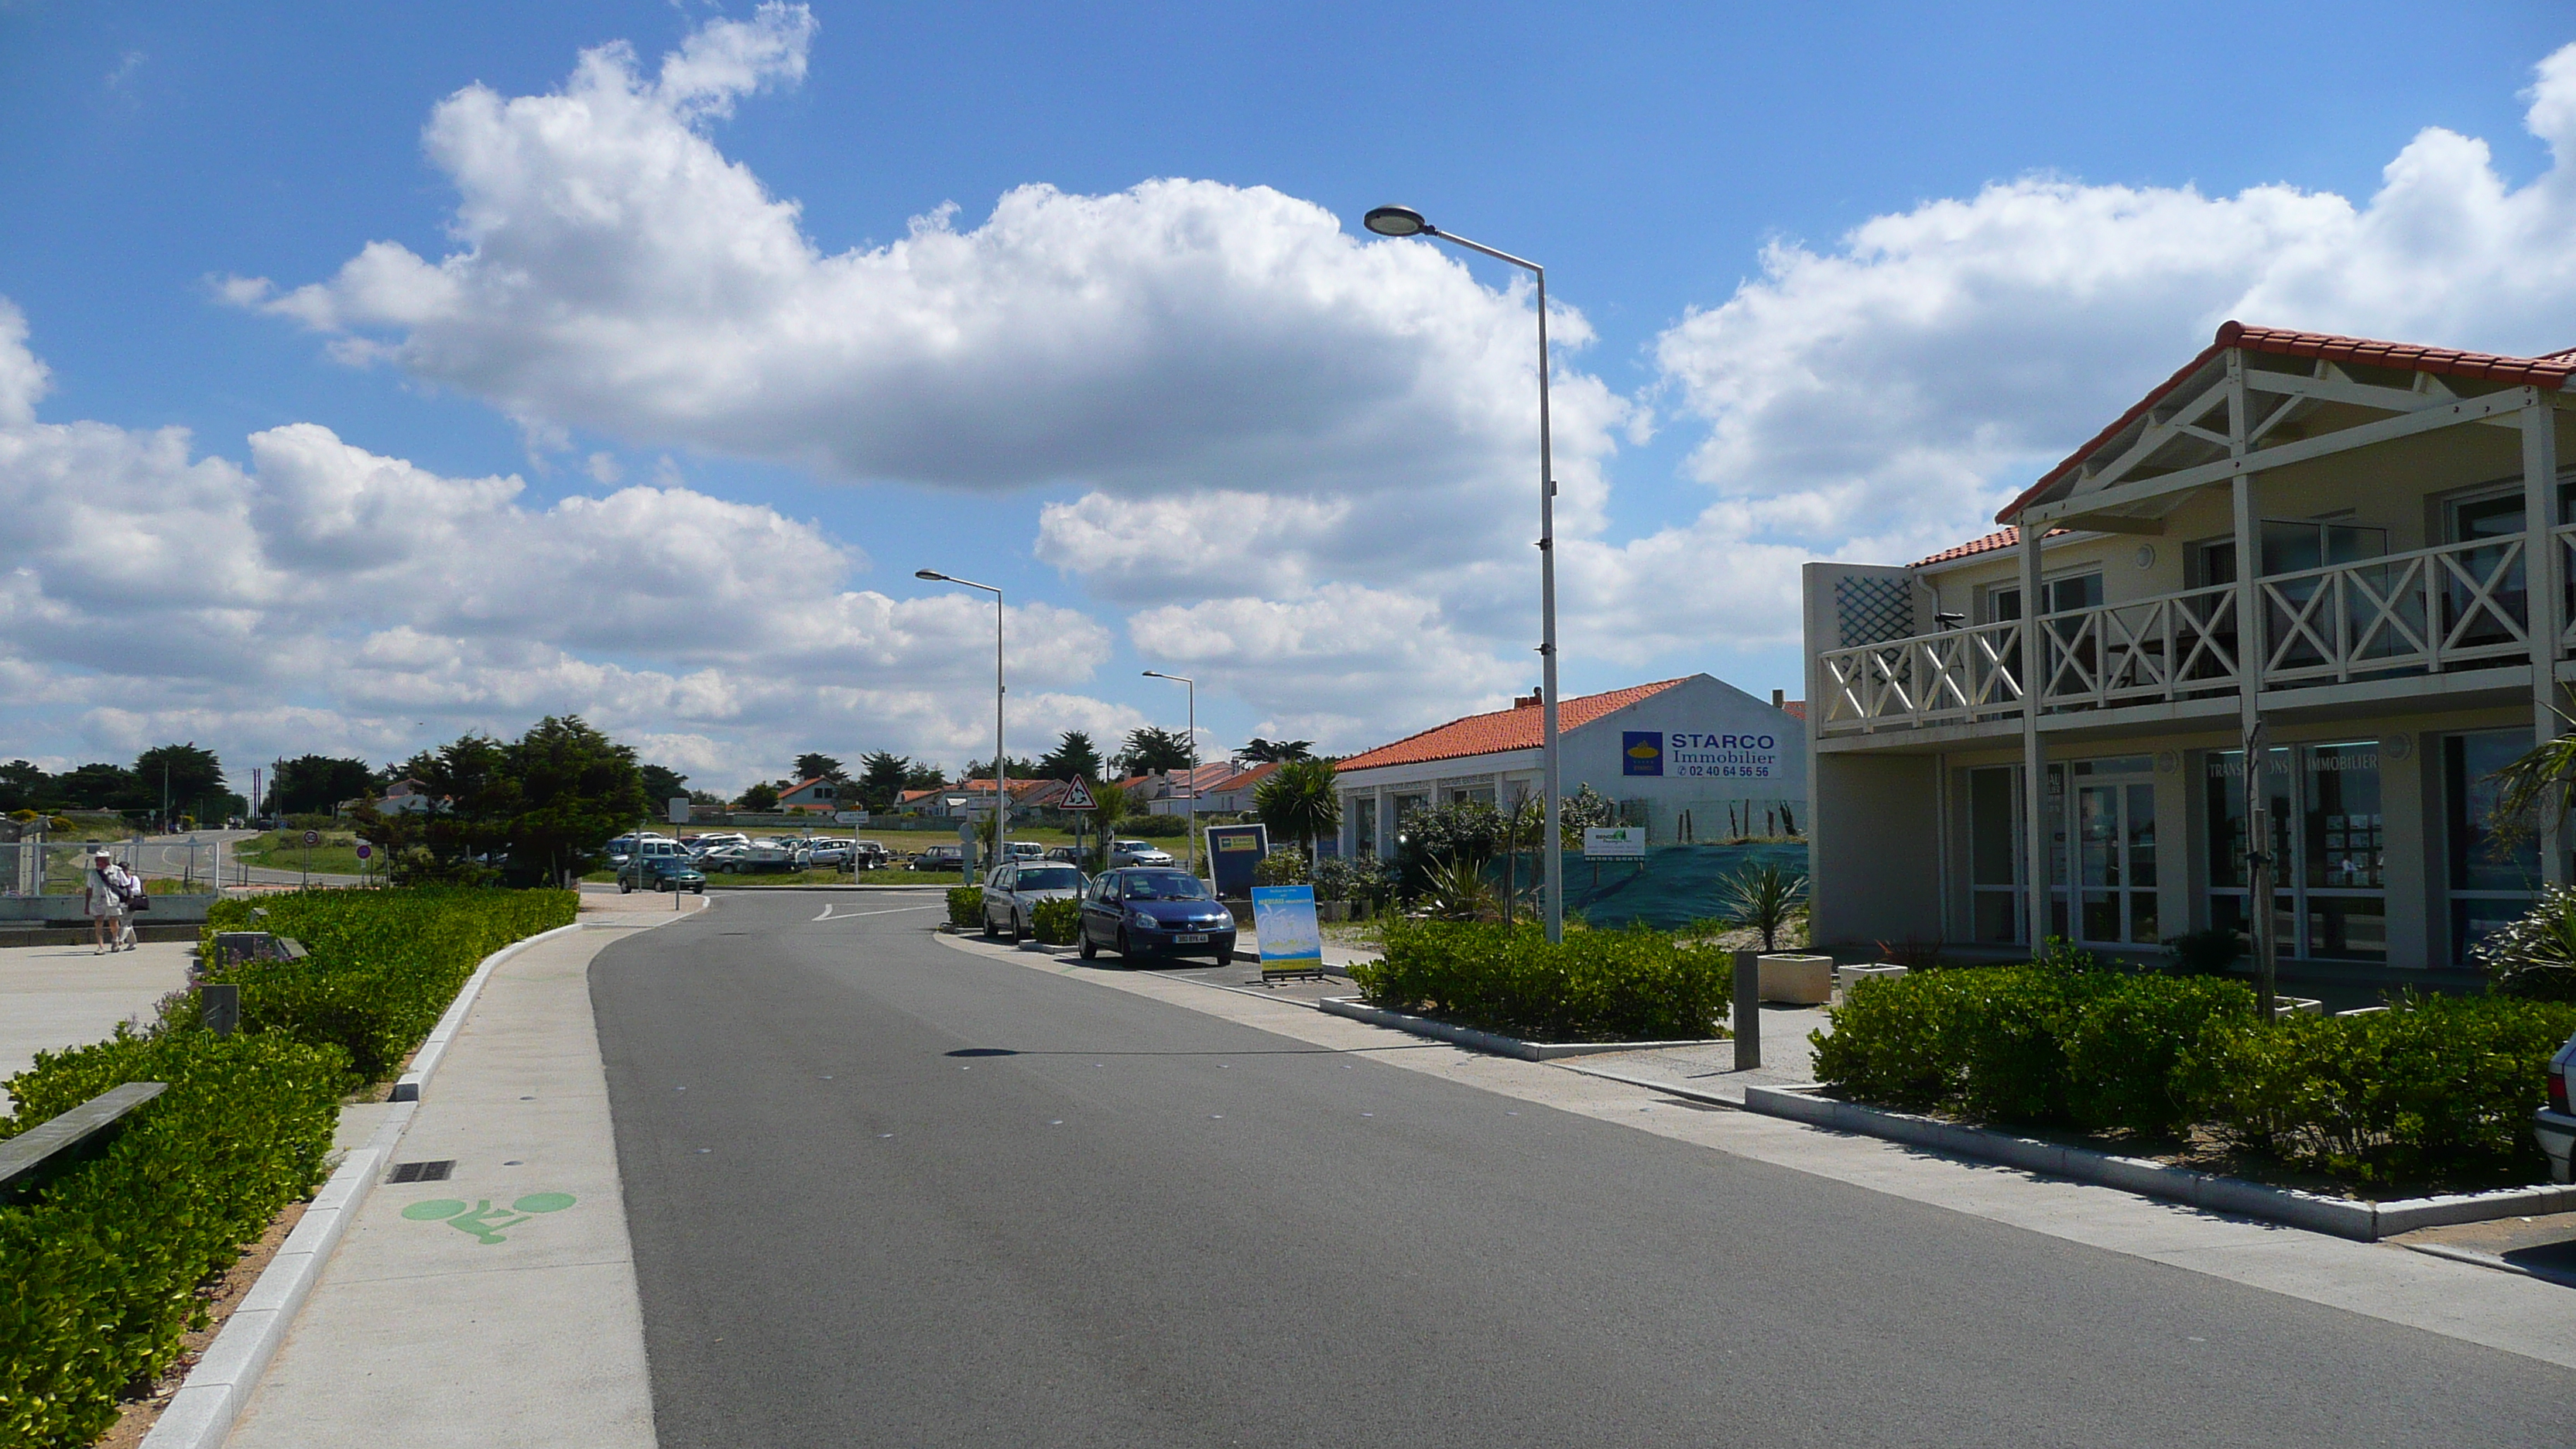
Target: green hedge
{"x":2433,"y":1090}
{"x":1056,"y":922}
{"x":384,"y":964}
{"x":97,"y":1270}
{"x":1633,"y":985}
{"x":966,"y":906}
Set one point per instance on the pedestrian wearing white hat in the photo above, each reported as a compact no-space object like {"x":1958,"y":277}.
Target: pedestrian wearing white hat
{"x":107,"y":885}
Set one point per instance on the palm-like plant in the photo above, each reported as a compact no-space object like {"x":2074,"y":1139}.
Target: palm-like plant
{"x":1109,"y":811}
{"x":1456,"y":891}
{"x":1761,"y":898}
{"x":2534,"y":786}
{"x":1298,"y":801}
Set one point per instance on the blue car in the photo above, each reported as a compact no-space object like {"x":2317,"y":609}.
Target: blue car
{"x":1146,"y":911}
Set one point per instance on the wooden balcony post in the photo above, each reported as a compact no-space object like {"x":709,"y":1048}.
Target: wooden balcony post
{"x":2544,"y":602}
{"x":2034,"y":766}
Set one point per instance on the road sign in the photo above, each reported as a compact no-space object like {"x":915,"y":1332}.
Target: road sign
{"x":313,"y":837}
{"x":1078,"y":798}
{"x":850,"y":817}
{"x":365,"y":850}
{"x":679,"y":809}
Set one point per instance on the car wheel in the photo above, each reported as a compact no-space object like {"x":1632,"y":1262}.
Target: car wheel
{"x":989,"y":932}
{"x":625,"y":887}
{"x":1123,"y":953}
{"x":1084,"y":946}
{"x":1019,"y":932}
{"x":700,"y":888}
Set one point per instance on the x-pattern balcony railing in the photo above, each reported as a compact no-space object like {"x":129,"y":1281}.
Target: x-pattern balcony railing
{"x":2460,"y":605}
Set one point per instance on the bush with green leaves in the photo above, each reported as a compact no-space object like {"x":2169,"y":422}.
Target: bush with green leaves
{"x":1283,"y":867}
{"x":2534,"y":957}
{"x":101,"y":1261}
{"x":1633,"y":985}
{"x":966,"y":906}
{"x":1340,"y":879}
{"x":383,"y":965}
{"x":2433,"y":1089}
{"x":1056,"y":922}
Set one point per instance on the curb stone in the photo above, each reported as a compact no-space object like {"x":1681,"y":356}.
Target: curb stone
{"x":2366,"y":1222}
{"x":1487,"y":1041}
{"x":407,"y":1087}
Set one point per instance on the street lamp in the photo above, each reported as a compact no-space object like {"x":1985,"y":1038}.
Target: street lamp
{"x":1402,"y":221}
{"x":1001,"y":762}
{"x":1194,"y":758}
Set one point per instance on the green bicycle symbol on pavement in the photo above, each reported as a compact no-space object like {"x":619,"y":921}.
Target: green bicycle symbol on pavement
{"x":483,"y":1220}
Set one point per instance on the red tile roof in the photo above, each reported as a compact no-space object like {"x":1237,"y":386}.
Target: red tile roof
{"x":1796,"y":709}
{"x":2550,"y":371}
{"x":1519,"y":728}
{"x":2009,"y":537}
{"x":1245,"y":780}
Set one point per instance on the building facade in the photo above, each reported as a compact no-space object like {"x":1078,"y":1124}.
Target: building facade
{"x":2349,"y":558}
{"x":1692,"y":759}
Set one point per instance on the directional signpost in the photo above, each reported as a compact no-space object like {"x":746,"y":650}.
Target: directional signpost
{"x":365,"y":852}
{"x":312,"y":838}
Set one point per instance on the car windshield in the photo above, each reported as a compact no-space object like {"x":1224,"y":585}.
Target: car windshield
{"x":1165,"y":885}
{"x":1050,"y":878}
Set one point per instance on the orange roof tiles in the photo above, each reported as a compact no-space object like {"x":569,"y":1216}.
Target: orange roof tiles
{"x":1504,"y":729}
{"x":2551,"y":371}
{"x":2008,"y":537}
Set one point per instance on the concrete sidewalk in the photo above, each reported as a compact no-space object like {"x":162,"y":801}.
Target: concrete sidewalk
{"x":498,"y":1305}
{"x":53,"y":997}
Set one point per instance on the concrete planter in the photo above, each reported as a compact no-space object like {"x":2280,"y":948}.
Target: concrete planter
{"x":1852,"y":976}
{"x":1796,"y":980}
{"x":73,"y":910}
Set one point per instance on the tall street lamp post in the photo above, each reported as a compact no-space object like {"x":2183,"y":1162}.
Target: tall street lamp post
{"x":1194,"y":757}
{"x":1001,"y":761}
{"x":1401,"y":221}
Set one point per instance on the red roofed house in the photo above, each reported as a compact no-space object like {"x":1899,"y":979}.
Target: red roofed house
{"x":2401,"y":631}
{"x":1686,"y":758}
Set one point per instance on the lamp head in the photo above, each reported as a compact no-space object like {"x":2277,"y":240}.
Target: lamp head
{"x":1398,"y":221}
{"x":934,"y":575}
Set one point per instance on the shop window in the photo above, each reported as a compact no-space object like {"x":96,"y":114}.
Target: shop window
{"x":2329,"y":848}
{"x":2489,"y":883}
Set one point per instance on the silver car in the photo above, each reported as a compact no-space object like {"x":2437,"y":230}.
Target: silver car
{"x":1137,"y":852}
{"x":1012,"y":893}
{"x":2555,"y":1124}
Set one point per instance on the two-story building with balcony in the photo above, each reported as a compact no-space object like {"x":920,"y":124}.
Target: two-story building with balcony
{"x":2351,"y":556}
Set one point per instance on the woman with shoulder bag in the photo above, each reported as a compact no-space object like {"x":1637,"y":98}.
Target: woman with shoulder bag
{"x":106,"y":903}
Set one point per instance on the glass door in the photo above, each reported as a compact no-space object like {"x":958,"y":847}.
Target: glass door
{"x":2105,"y":830}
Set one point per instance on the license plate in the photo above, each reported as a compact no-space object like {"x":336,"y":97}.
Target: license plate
{"x":1197,"y":939}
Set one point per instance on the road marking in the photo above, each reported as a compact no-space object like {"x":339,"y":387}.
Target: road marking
{"x":890,"y":911}
{"x":483,"y":1220}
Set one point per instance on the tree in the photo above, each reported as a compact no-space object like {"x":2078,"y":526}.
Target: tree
{"x":313,"y":784}
{"x":1152,"y":748}
{"x":1073,"y":758}
{"x":22,"y":785}
{"x":661,"y":785}
{"x":535,"y":812}
{"x":1110,"y":809}
{"x":1259,"y":751}
{"x":819,"y":767}
{"x":189,"y":778}
{"x":760,"y":798}
{"x":1298,"y":800}
{"x":100,"y":787}
{"x":1020,"y":769}
{"x":881,"y":779}
{"x":925,"y":777}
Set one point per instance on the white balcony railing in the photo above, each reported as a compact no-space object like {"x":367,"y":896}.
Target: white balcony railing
{"x":2461,"y":605}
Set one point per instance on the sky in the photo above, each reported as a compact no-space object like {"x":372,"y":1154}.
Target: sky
{"x":374,"y":374}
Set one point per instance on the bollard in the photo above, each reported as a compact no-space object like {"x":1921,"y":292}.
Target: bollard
{"x":219,"y":1004}
{"x":1748,"y":1010}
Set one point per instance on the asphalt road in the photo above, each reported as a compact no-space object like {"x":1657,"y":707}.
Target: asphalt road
{"x":1143,"y":1226}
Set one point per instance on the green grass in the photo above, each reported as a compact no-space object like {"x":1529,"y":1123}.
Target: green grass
{"x":284,"y":850}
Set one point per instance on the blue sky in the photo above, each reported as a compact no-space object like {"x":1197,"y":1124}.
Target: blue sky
{"x":1849,"y":279}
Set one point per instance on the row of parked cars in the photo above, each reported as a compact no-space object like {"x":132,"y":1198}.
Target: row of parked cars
{"x":1138,"y":911}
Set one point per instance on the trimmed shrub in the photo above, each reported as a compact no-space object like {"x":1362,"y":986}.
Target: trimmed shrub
{"x":966,"y":906}
{"x":383,"y":964}
{"x":102,"y":1261}
{"x":1634,"y":985}
{"x":2434,"y":1089}
{"x":1056,"y":922}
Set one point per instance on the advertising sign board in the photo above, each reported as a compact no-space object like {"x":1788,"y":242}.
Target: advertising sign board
{"x":1616,"y":842}
{"x":1685,"y":754}
{"x":1234,"y":850}
{"x":1292,"y":940}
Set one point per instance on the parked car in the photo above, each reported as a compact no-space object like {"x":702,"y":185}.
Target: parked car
{"x":661,"y":873}
{"x":941,"y":857}
{"x":1137,"y":852}
{"x":722,"y":858}
{"x":1149,"y":911}
{"x":1066,"y":854}
{"x":869,"y":855}
{"x":823,"y":854}
{"x":1012,"y":893}
{"x":2555,"y":1124}
{"x":1027,"y":850}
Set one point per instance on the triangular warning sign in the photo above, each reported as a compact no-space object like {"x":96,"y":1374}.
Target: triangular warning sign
{"x":1077,"y":798}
